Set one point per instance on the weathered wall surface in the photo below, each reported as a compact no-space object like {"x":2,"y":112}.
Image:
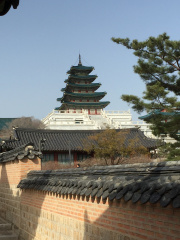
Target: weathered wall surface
{"x":58,"y":217}
{"x":49,"y":216}
{"x":10,"y":196}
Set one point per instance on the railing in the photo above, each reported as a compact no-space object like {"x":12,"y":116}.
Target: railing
{"x":140,"y":123}
{"x":74,"y":123}
{"x":57,"y":112}
{"x":69,"y":111}
{"x":47,"y":117}
{"x":116,"y":112}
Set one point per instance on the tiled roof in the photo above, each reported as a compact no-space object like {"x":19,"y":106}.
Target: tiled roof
{"x":74,"y":69}
{"x":96,"y":105}
{"x":94,"y":94}
{"x":154,"y":183}
{"x":83,"y":77}
{"x":93,"y":86}
{"x":159,"y":112}
{"x":63,"y":140}
{"x":26,"y":150}
{"x":72,"y":95}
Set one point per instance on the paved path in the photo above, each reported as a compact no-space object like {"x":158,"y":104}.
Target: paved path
{"x":6,"y":232}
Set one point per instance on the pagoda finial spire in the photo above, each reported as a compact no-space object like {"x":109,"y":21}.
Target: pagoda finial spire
{"x":79,"y":64}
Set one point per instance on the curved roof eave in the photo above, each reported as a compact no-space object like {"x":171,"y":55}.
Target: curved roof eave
{"x":95,"y":94}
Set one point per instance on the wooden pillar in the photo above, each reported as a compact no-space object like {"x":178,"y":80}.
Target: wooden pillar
{"x":75,"y":159}
{"x":56,"y":157}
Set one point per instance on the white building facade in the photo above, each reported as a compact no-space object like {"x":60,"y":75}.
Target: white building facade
{"x":81,"y":120}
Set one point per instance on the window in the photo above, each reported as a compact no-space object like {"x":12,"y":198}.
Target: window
{"x":82,"y":156}
{"x":78,"y":121}
{"x":64,"y":158}
{"x":48,"y":157}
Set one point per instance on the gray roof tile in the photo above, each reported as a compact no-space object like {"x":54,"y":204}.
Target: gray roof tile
{"x":62,"y":140}
{"x":25,"y":150}
{"x":133,"y":183}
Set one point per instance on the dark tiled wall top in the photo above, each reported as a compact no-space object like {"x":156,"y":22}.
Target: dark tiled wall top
{"x":133,"y":182}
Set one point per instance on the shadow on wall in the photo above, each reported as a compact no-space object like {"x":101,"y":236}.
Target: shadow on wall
{"x":110,"y":221}
{"x":13,"y":201}
{"x":99,"y":222}
{"x":9,"y":197}
{"x":33,"y":216}
{"x":127,"y":221}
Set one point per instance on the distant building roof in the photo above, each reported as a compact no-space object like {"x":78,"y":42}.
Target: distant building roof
{"x":159,"y":112}
{"x":83,"y":105}
{"x":4,"y":122}
{"x":75,"y":69}
{"x":85,"y":77}
{"x":63,"y":140}
{"x":93,"y":86}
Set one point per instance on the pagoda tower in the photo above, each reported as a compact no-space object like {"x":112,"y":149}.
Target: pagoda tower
{"x":82,"y":109}
{"x":80,"y":91}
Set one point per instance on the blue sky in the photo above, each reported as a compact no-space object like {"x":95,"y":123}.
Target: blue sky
{"x":41,"y":40}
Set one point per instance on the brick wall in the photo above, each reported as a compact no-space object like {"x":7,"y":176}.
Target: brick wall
{"x":10,"y":174}
{"x":13,"y":171}
{"x":60,"y":217}
{"x":46,"y":216}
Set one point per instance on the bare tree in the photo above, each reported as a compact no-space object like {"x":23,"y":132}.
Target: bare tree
{"x":23,"y":122}
{"x":112,"y":147}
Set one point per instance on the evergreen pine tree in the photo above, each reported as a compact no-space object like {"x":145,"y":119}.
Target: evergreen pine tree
{"x":159,"y":67}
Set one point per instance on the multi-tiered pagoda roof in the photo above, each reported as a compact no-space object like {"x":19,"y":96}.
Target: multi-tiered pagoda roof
{"x":79,"y":93}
